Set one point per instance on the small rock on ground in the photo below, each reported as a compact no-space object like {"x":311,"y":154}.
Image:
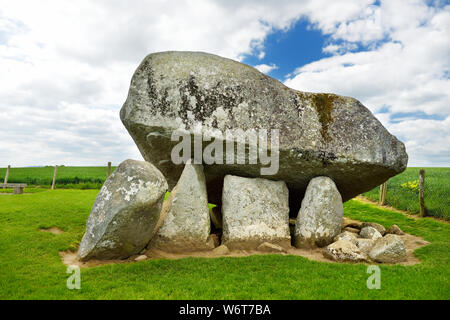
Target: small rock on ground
{"x":344,"y":251}
{"x":377,"y":226}
{"x":395,"y":229}
{"x":270,"y":247}
{"x":370,"y":233}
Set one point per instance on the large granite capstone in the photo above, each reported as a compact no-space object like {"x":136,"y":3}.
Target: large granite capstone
{"x":320,"y":134}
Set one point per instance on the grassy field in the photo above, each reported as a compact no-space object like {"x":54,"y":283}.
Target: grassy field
{"x":30,"y":266}
{"x":403,"y":191}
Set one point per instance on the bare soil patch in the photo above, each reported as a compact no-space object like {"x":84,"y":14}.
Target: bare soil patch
{"x":411,"y":243}
{"x":54,"y":230}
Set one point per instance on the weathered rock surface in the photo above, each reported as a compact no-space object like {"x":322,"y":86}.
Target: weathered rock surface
{"x":254,"y":211}
{"x":395,"y":229}
{"x":370,"y":233}
{"x":125,"y":212}
{"x":319,"y":134}
{"x":365,"y":245}
{"x":350,"y":236}
{"x":186,"y":225}
{"x":344,"y":251}
{"x":270,"y":247}
{"x":320,"y":217}
{"x":389,"y":249}
{"x":381,"y":229}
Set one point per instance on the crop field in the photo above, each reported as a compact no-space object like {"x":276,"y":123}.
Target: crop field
{"x":67,"y":177}
{"x":403,"y":191}
{"x":31,"y":267}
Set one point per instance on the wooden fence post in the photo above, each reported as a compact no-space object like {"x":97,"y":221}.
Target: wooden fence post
{"x":382,"y":197}
{"x":7,"y":175}
{"x":423,"y":211}
{"x":54,"y":177}
{"x":109,"y":170}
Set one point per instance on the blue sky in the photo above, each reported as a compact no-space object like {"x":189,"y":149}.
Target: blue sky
{"x":65,"y":66}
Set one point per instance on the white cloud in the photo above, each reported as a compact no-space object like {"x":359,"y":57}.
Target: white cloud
{"x":65,"y":66}
{"x":426,"y":140}
{"x":404,"y":70}
{"x":265,"y":68}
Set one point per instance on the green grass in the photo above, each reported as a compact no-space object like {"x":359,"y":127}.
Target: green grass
{"x":437,"y":192}
{"x":30,"y":267}
{"x":67,"y":177}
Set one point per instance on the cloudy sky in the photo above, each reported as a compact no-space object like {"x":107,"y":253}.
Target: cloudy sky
{"x":65,"y":66}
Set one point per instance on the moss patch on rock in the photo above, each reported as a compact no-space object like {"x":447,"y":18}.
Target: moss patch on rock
{"x":324,"y":103}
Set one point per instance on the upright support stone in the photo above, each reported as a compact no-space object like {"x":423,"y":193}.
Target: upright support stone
{"x":320,"y":217}
{"x":125,"y":212}
{"x":254,"y":211}
{"x":185,"y":222}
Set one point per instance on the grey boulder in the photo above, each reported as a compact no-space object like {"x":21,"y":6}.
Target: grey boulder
{"x":254,"y":211}
{"x":346,"y":235}
{"x":389,"y":249}
{"x":370,"y":233}
{"x":319,"y":133}
{"x":125,"y":212}
{"x":186,"y":223}
{"x":365,"y":245}
{"x":395,"y":229}
{"x":320,"y":217}
{"x":381,"y":229}
{"x":344,"y":251}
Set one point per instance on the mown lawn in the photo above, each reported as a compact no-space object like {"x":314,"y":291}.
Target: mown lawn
{"x":30,"y":267}
{"x":403,"y":191}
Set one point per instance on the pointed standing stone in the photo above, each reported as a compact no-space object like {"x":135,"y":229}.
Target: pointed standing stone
{"x":186,"y":225}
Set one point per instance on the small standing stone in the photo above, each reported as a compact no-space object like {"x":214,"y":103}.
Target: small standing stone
{"x":320,"y":217}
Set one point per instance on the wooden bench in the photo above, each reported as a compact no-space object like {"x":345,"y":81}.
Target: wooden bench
{"x":18,"y":187}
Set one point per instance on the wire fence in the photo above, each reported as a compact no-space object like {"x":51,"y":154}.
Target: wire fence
{"x":402,"y":192}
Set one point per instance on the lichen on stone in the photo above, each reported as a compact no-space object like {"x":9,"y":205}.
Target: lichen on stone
{"x":324,"y":104}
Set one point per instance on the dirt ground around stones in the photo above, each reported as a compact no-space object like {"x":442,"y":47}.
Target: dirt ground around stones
{"x":411,"y":244}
